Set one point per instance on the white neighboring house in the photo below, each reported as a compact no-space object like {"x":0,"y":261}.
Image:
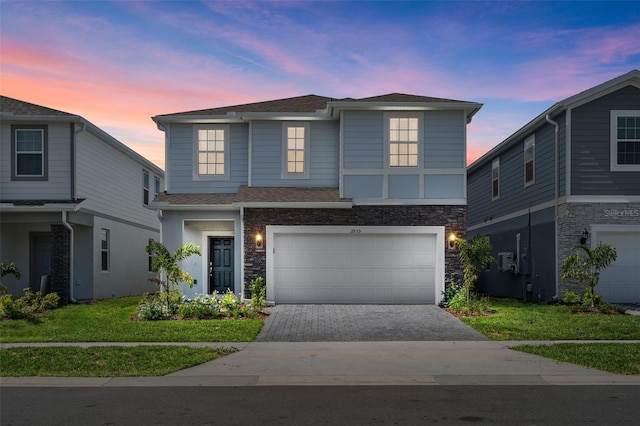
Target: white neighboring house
{"x":73,"y":205}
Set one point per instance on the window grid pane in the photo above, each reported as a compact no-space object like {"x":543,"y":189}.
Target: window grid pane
{"x":29,"y":152}
{"x":211,"y":152}
{"x":295,"y":150}
{"x":628,"y":140}
{"x":403,"y":146}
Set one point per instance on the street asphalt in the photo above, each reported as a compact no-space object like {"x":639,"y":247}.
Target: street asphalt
{"x":356,"y":345}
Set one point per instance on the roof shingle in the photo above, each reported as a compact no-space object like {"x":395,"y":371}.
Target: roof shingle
{"x":22,"y":108}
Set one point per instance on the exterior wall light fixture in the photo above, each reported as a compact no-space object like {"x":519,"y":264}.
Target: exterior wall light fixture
{"x":584,"y":237}
{"x":451,"y":242}
{"x":259,"y":242}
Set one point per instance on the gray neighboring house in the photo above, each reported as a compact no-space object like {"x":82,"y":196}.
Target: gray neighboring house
{"x":572,"y":174}
{"x":330,"y":200}
{"x":73,"y":205}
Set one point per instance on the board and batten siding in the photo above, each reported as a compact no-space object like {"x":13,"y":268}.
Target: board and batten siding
{"x":181,"y":165}
{"x":58,"y":183}
{"x":444,"y":133}
{"x":111,"y":182}
{"x":590,"y":146}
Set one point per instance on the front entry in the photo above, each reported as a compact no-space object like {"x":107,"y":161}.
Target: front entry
{"x":221,"y":262}
{"x":40,"y":258}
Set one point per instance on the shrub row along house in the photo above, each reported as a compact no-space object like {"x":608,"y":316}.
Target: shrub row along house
{"x":331,"y":200}
{"x":73,"y":205}
{"x":570,"y":175}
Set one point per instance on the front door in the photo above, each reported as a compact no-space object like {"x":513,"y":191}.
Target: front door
{"x":221,"y":262}
{"x":40,"y":258}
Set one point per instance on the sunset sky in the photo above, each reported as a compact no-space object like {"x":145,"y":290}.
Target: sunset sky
{"x":119,"y":63}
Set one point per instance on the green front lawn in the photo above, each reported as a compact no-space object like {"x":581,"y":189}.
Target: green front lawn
{"x":618,"y":358}
{"x":515,"y":320}
{"x":110,"y":321}
{"x":103,"y":361}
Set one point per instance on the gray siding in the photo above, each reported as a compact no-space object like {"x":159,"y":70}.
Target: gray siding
{"x":180,"y":162}
{"x":514,"y":196}
{"x":444,"y":139}
{"x":363,"y":140}
{"x":58,"y":184}
{"x":111,"y":182}
{"x":267,"y":160}
{"x":590,"y":146}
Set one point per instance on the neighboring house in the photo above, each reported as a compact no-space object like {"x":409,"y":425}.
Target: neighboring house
{"x":73,"y":205}
{"x":572,"y":174}
{"x":330,"y":200}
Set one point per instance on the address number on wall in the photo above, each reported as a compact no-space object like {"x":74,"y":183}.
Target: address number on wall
{"x":356,"y":231}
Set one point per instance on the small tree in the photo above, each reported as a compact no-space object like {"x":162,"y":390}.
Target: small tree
{"x":474,"y":255}
{"x":165,"y":263}
{"x":585,"y":264}
{"x":7,"y":268}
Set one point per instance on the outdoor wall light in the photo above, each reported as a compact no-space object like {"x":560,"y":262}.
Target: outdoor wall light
{"x":451,"y":243}
{"x":584,"y":237}
{"x":259,"y":241}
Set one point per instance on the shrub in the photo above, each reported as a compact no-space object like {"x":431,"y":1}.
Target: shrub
{"x":153,"y":307}
{"x":230,"y":304}
{"x":463,"y":304}
{"x":204,"y":306}
{"x":571,"y":298}
{"x":27,"y":306}
{"x":258,"y":294}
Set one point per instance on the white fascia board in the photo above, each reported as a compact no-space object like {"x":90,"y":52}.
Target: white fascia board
{"x":8,"y":116}
{"x":193,"y":207}
{"x":287,"y":116}
{"x":410,"y":202}
{"x":46,"y":208}
{"x":471,"y":107}
{"x":295,"y":205}
{"x":604,"y":199}
{"x":198,"y":119}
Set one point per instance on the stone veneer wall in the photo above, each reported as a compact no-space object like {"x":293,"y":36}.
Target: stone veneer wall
{"x":453,"y":218}
{"x":574,"y":218}
{"x":60,"y":249}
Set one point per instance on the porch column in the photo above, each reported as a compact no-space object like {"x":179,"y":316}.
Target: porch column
{"x":60,"y":253}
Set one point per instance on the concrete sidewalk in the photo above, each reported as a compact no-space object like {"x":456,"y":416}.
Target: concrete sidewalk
{"x":357,"y":363}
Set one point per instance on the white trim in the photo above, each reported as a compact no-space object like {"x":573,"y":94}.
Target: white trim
{"x":439,"y":232}
{"x":516,"y":214}
{"x":284,"y":173}
{"x":567,"y":142}
{"x":613,"y":142}
{"x":409,"y":202}
{"x":250,"y":157}
{"x":604,"y":199}
{"x":532,"y":141}
{"x":227,"y":153}
{"x":495,"y":165}
{"x":295,"y":205}
{"x":341,"y":169}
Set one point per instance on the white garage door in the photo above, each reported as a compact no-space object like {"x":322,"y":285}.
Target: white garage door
{"x":620,"y":281}
{"x":383,"y":265}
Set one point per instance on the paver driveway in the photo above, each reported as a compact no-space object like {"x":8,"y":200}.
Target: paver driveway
{"x":363,"y":323}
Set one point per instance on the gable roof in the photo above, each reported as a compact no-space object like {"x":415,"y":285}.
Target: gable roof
{"x":320,"y":107}
{"x":630,"y":78}
{"x":16,"y":107}
{"x":20,"y":111}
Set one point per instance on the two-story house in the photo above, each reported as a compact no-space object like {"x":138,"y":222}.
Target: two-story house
{"x":569,"y":176}
{"x":73,"y":205}
{"x":329,"y":200}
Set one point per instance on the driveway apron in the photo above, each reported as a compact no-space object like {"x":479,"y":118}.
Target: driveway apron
{"x":363,"y":323}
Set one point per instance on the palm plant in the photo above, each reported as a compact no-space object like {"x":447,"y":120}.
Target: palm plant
{"x":474,"y":255}
{"x":585,"y":264}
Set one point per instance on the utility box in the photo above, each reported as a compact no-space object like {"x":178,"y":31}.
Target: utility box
{"x":505,"y":262}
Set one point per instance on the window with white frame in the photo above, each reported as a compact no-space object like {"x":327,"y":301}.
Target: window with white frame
{"x":403,"y":141}
{"x":29,"y":153}
{"x":495,"y":179}
{"x":529,"y":160}
{"x":212,"y":151}
{"x":156,"y":185}
{"x":295,"y":149}
{"x":625,"y":140}
{"x":104,"y":249}
{"x":145,"y":187}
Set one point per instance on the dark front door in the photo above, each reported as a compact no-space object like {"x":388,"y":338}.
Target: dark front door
{"x":220,"y":264}
{"x":40,"y":263}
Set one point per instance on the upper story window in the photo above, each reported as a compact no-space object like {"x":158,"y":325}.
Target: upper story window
{"x":625,"y":140}
{"x":529,"y":160}
{"x":145,"y":187}
{"x":295,"y":149}
{"x":211,"y":152}
{"x":403,"y":142}
{"x":156,"y":185}
{"x":104,"y":249}
{"x":495,"y":179}
{"x":29,"y":152}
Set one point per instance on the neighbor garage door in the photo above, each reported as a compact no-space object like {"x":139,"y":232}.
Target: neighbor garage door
{"x":620,"y":281}
{"x":386,"y":265}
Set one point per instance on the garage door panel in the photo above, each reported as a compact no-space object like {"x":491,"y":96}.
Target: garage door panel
{"x":362,"y":268}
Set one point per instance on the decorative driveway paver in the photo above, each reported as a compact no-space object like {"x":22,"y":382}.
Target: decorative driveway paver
{"x":363,"y":323}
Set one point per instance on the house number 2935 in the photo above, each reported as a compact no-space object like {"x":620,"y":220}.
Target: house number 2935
{"x":356,"y":231}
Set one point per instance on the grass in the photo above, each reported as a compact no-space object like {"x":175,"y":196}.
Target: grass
{"x":103,"y":361}
{"x":618,"y":358}
{"x":514,"y":320}
{"x":110,"y":321}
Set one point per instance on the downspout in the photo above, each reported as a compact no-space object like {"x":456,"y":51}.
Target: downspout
{"x":557,"y":193}
{"x":241,"y":252}
{"x":71,"y":253}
